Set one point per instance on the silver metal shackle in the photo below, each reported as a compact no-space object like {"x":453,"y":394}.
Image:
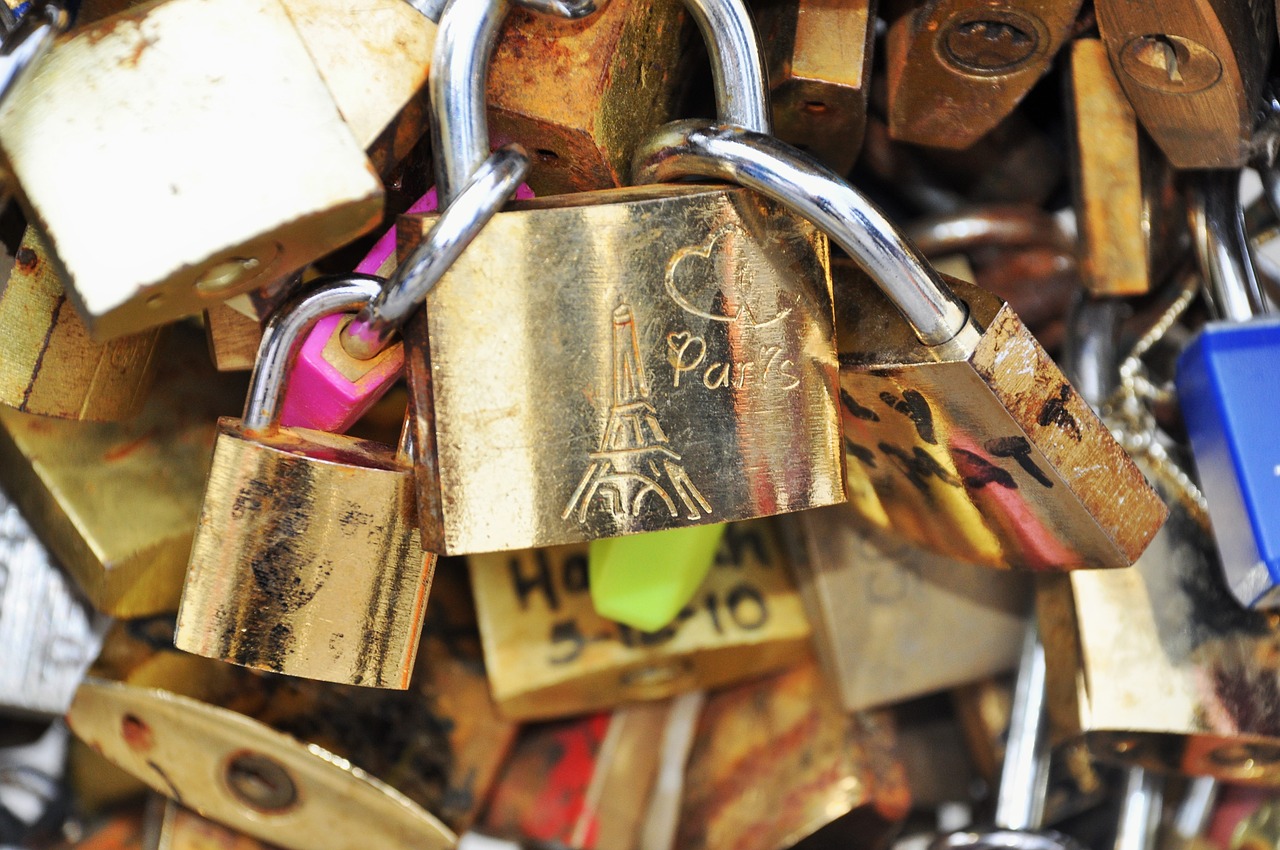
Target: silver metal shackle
{"x":284,"y":334}
{"x":464,"y":46}
{"x":28,"y":42}
{"x":696,"y":148}
{"x":1222,"y":246}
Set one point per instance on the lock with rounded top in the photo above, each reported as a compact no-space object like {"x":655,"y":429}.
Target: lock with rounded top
{"x":306,"y":559}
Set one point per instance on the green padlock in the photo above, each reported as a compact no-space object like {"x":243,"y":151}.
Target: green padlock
{"x":644,"y":580}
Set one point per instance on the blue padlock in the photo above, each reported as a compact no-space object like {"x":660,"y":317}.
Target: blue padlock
{"x":1230,"y":396}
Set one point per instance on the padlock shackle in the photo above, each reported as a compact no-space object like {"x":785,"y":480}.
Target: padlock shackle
{"x":282,"y":339}
{"x":697,"y":148}
{"x":480,"y":199}
{"x":465,"y":42}
{"x":28,"y":42}
{"x":1222,"y":246}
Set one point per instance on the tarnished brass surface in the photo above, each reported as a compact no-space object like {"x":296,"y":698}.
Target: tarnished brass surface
{"x":1114,"y":231}
{"x":48,"y":363}
{"x":983,"y":452}
{"x":892,"y":621}
{"x":306,"y":560}
{"x":117,"y":502}
{"x":154,"y":200}
{"x":624,"y":361}
{"x":581,"y":95}
{"x":778,"y":764}
{"x":240,"y":773}
{"x":1158,"y":665}
{"x":549,"y":654}
{"x":583,"y":783}
{"x":1194,"y":72}
{"x":818,"y":53}
{"x":234,"y":337}
{"x":956,"y":68}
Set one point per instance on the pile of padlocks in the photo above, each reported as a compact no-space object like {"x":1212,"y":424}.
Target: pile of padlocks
{"x":422,"y":426}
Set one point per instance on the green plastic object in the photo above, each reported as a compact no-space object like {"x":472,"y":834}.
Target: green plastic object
{"x":643,"y":580}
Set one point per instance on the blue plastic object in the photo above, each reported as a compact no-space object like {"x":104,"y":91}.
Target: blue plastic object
{"x":1229,"y":387}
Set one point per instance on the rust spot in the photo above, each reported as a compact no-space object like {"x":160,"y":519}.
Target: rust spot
{"x":136,"y":733}
{"x":27,"y":260}
{"x":126,"y":449}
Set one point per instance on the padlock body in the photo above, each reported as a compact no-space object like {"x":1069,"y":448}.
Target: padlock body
{"x":981,"y":449}
{"x":631,"y":360}
{"x":48,"y":363}
{"x":1226,"y":383}
{"x":306,"y":559}
{"x":157,"y":203}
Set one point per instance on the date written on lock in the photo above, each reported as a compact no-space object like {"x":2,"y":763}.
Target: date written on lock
{"x":550,"y":654}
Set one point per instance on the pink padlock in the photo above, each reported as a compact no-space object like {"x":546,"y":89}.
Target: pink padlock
{"x":348,"y":362}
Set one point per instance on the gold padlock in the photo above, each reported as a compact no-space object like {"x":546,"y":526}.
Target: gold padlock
{"x":48,"y":363}
{"x":306,"y":559}
{"x":777,"y":763}
{"x":893,"y":622}
{"x":1194,"y":71}
{"x":819,"y":58}
{"x":579,"y":95}
{"x":549,"y":654}
{"x":956,"y":68}
{"x":117,"y":502}
{"x":198,"y":144}
{"x":676,"y":368}
{"x":962,"y":433}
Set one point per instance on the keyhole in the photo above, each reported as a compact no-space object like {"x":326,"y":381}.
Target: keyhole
{"x":1159,"y":53}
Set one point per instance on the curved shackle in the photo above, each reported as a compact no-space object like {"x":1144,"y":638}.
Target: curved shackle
{"x":468,"y":34}
{"x":570,"y":9}
{"x":479,"y":200}
{"x":283,"y":336}
{"x":997,"y":226}
{"x":696,"y":148}
{"x":1222,"y":246}
{"x":28,"y":41}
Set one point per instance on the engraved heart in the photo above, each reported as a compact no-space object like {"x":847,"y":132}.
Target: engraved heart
{"x":720,"y":280}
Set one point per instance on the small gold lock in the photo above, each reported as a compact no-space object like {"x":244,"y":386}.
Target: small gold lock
{"x":168,"y":156}
{"x":48,"y":363}
{"x":549,"y":654}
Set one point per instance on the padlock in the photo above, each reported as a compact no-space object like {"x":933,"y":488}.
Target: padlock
{"x":48,"y":363}
{"x":583,"y":783}
{"x":549,"y":654}
{"x":956,"y":68}
{"x":892,"y":621}
{"x":306,"y":558}
{"x":818,"y":55}
{"x":242,"y":774}
{"x":48,"y":631}
{"x":696,"y":384}
{"x":1224,"y":379}
{"x":116,"y":503}
{"x":777,"y":763}
{"x":579,"y":95}
{"x":1158,"y":666}
{"x":209,"y":146}
{"x":1194,"y":71}
{"x":1109,"y":161}
{"x":962,"y":433}
{"x":347,"y":361}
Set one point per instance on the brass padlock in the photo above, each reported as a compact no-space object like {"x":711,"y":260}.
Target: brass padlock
{"x":675,"y":369}
{"x":1194,"y":71}
{"x":245,"y":775}
{"x":579,"y":95}
{"x":549,"y":654}
{"x":117,"y":502}
{"x":1159,"y":666}
{"x":819,"y":58}
{"x":956,"y":68}
{"x":777,"y":763}
{"x":892,"y":621}
{"x":962,"y":434}
{"x":202,"y":154}
{"x":234,"y":327}
{"x":48,"y":363}
{"x":306,"y":559}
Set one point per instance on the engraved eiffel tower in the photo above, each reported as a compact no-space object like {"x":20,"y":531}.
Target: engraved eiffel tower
{"x":635,"y":456}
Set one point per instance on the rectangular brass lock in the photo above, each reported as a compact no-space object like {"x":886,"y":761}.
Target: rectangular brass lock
{"x":985,"y":452}
{"x":158,"y":202}
{"x":549,"y":654}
